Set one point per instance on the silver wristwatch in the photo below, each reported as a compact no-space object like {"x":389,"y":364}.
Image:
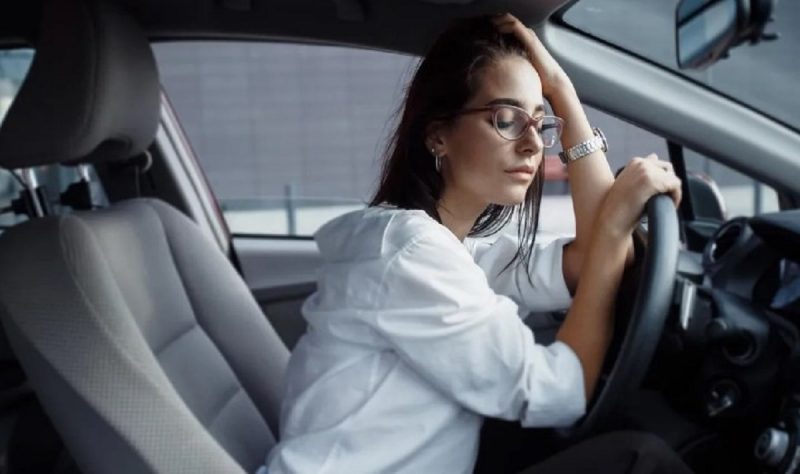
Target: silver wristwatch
{"x":576,"y":152}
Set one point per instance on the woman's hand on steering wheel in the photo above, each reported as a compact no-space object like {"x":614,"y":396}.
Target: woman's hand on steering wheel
{"x":641,"y":179}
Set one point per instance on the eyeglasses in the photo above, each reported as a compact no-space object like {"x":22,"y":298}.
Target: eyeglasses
{"x":512,"y":122}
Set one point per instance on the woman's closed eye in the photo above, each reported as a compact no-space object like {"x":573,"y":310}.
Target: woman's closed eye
{"x":506,"y":124}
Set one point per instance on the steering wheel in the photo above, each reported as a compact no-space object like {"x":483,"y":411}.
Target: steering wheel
{"x":648,"y":315}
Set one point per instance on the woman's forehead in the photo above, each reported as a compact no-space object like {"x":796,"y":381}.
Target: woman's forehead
{"x":512,"y":78}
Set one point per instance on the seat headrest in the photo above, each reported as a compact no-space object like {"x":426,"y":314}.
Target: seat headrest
{"x":92,"y":92}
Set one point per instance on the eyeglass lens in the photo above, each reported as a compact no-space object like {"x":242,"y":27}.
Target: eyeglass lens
{"x":512,"y":123}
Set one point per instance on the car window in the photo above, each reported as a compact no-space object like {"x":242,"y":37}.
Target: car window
{"x":625,"y":141}
{"x":290,"y":136}
{"x":716,"y":188}
{"x":741,"y":77}
{"x":14,"y":65}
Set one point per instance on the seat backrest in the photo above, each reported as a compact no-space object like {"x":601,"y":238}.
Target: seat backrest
{"x":144,"y":345}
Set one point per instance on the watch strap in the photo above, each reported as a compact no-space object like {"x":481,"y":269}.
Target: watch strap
{"x":586,"y":147}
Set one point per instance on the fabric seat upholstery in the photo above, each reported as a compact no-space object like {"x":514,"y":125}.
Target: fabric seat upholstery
{"x":144,"y":345}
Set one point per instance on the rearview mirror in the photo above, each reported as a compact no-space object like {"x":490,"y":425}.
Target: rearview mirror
{"x":706,"y":29}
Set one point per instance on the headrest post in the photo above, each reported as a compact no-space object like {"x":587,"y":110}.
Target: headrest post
{"x":28,"y":176}
{"x":78,"y":195}
{"x":143,"y":163}
{"x":83,"y":172}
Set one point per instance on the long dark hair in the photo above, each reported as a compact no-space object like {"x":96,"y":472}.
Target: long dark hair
{"x":445,"y":80}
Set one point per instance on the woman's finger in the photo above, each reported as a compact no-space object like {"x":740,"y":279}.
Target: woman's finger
{"x":504,"y":22}
{"x":669,"y":184}
{"x":653,"y":159}
{"x":666,"y":166}
{"x":509,"y":24}
{"x":504,"y":18}
{"x":676,"y":191}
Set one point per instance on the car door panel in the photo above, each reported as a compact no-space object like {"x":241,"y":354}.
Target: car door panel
{"x":281,"y":273}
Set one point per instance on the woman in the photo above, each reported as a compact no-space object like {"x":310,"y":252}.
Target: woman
{"x":414,"y":335}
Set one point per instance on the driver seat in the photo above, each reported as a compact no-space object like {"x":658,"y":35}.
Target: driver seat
{"x":143,"y":344}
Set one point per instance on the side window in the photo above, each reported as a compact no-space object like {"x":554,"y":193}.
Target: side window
{"x":14,"y":65}
{"x":625,"y":141}
{"x":289,"y":135}
{"x":718,"y":192}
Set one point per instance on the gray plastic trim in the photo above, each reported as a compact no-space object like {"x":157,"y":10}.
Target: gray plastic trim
{"x":677,"y":108}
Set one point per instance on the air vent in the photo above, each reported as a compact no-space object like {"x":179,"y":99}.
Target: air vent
{"x":724,"y":240}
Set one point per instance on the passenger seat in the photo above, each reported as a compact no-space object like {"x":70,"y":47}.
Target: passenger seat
{"x":145,"y":347}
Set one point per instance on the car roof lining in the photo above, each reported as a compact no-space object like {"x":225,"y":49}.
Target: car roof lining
{"x":400,"y":25}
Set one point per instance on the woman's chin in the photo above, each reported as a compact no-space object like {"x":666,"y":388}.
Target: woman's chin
{"x":510,"y":199}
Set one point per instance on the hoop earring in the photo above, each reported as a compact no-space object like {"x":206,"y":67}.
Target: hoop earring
{"x":437,"y":160}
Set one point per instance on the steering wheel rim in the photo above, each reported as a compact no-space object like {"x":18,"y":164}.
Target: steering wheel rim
{"x":648,"y":316}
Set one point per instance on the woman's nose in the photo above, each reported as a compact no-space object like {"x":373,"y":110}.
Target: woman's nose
{"x":531,"y":141}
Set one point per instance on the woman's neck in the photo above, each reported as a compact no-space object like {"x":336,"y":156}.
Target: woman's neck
{"x":459,"y":213}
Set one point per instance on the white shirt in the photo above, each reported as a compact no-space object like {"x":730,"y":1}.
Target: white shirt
{"x":412,"y":338}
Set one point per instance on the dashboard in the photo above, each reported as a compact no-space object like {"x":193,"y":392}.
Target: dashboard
{"x":755,"y":258}
{"x":738,"y":332}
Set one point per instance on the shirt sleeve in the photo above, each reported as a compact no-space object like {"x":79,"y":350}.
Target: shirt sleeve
{"x":545,"y":290}
{"x":440,"y":315}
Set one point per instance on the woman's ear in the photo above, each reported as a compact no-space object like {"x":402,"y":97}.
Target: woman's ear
{"x":435,"y":141}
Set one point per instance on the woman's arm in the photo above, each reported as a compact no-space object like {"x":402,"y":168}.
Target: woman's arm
{"x":590,"y":177}
{"x":588,"y":327}
{"x":438,"y":314}
{"x":589,"y":322}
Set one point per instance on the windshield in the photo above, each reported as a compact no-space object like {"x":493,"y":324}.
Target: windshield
{"x":764,"y":77}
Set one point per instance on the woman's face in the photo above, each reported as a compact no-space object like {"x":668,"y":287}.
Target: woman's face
{"x":479,"y":167}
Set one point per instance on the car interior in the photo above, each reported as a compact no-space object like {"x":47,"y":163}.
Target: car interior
{"x":140,"y":334}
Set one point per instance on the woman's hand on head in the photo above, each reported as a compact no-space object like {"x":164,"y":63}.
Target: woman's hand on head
{"x":641,"y":179}
{"x":552,"y":76}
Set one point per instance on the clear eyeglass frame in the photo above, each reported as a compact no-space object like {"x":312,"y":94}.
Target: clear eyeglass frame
{"x":549,"y":127}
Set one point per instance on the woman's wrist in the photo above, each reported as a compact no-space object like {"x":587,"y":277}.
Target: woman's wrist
{"x":610,"y":226}
{"x":566,"y":105}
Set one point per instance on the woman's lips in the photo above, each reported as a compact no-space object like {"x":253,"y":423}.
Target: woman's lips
{"x":520,"y":173}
